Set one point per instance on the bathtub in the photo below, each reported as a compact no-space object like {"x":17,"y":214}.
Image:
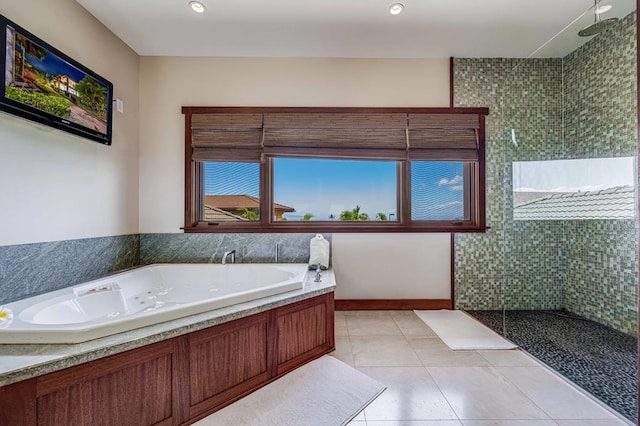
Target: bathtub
{"x":139,"y":298}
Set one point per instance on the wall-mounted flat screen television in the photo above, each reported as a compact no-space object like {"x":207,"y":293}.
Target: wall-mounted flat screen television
{"x":44,"y":85}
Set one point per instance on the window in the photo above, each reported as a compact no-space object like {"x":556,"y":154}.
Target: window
{"x":335,"y":190}
{"x":334,"y":170}
{"x":577,"y":189}
{"x":439,"y":191}
{"x":231,"y":192}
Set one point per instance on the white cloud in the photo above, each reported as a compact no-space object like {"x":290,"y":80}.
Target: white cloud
{"x":456,"y":180}
{"x":456,"y":188}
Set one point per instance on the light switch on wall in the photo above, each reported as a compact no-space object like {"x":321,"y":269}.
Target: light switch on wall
{"x":119,"y":105}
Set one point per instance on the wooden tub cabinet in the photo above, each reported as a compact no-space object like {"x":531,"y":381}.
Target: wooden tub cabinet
{"x":180,"y":380}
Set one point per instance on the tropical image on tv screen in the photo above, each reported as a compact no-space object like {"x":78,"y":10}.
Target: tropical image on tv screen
{"x":42,"y":80}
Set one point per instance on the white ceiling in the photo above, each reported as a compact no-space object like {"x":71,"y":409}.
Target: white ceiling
{"x":349,"y":28}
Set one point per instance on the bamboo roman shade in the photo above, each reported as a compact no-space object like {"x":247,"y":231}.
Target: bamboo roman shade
{"x":229,"y":137}
{"x":336,"y":135}
{"x":443,"y":136}
{"x":380,"y":135}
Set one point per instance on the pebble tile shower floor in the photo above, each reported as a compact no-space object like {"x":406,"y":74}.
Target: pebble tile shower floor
{"x":599,"y":359}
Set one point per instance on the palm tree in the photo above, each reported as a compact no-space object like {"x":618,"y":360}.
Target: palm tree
{"x":28,"y":47}
{"x":346,"y":215}
{"x":92,"y":95}
{"x":353,"y":214}
{"x":307,"y":216}
{"x":381,"y":216}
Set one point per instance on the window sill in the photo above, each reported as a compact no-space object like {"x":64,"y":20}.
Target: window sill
{"x":334,"y":228}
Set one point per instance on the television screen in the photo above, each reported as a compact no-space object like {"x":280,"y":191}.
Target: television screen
{"x":44,"y":85}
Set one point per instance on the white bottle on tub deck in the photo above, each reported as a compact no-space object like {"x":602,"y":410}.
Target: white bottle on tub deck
{"x":319,"y":252}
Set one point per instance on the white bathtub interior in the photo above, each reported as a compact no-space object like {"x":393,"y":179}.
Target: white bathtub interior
{"x":142,"y":297}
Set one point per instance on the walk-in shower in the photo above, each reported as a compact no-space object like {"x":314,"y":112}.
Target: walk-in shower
{"x":566,"y":130}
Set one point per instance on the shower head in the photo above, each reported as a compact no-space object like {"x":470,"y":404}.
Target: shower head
{"x":598,"y":25}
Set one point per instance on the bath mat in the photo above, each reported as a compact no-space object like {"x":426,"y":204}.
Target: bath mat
{"x":461,"y":332}
{"x":324,"y":392}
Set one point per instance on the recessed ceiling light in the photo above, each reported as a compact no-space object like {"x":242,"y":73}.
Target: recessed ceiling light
{"x":196,"y":6}
{"x":604,"y":8}
{"x":396,"y":8}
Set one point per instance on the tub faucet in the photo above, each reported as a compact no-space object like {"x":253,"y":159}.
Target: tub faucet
{"x":226,"y":254}
{"x":318,"y":277}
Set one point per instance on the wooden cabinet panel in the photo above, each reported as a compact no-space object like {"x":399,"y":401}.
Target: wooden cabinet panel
{"x":18,"y":404}
{"x":301,"y":331}
{"x":138,"y":394}
{"x":227,"y":360}
{"x":304,"y":332}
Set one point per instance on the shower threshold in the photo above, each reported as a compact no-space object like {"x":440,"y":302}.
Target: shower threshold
{"x":597,"y":358}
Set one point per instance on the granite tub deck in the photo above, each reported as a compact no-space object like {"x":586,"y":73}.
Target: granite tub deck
{"x":20,"y":362}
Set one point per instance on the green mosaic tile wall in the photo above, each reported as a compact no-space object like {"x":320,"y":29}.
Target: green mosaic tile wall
{"x":602,"y":272}
{"x":524,"y":95}
{"x":479,"y":258}
{"x":600,"y":121}
{"x":535,"y":265}
{"x":600,"y":94}
{"x":581,"y":106}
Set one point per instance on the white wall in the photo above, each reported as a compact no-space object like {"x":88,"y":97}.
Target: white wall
{"x":168,"y":83}
{"x":55,"y":186}
{"x":392,"y":266}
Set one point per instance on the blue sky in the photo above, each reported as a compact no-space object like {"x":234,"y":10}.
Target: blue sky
{"x":324,"y":187}
{"x":437,"y":190}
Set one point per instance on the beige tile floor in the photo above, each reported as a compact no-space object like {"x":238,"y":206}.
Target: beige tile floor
{"x":430,"y":385}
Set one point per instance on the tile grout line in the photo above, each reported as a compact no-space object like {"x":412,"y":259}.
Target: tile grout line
{"x":492,"y":368}
{"x":429,"y":374}
{"x":426,"y":369}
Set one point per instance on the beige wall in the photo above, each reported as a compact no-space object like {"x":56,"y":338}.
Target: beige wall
{"x":56,"y":186}
{"x":168,"y":83}
{"x":392,"y":266}
{"x":367,"y":265}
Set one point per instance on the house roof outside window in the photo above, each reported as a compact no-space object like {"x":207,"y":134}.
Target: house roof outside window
{"x":227,"y":202}
{"x":232,"y":207}
{"x":611,"y":203}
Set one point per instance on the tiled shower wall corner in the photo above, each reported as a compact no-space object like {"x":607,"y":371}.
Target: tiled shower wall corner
{"x":602,"y":272}
{"x":200,"y":248}
{"x":588,"y":267}
{"x":30,"y":269}
{"x":601,"y":121}
{"x":600,"y":94}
